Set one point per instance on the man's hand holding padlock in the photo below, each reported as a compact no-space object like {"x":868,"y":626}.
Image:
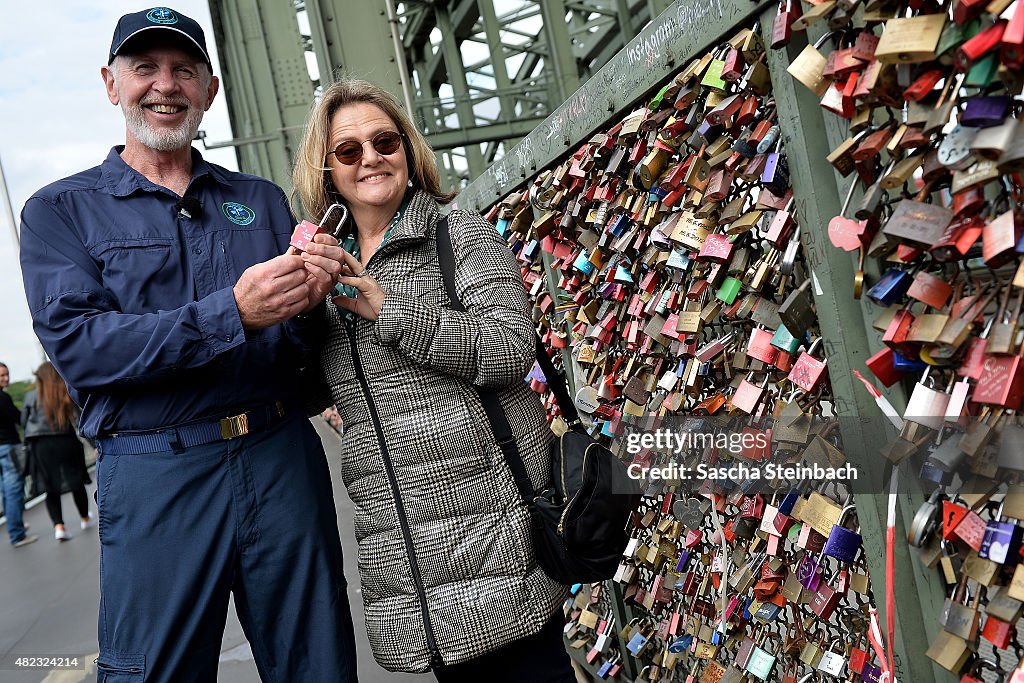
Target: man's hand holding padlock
{"x":296,"y":282}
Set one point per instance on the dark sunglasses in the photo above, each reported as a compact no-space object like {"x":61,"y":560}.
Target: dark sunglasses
{"x":384,"y":143}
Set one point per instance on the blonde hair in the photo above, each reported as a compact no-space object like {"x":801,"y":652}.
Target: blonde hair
{"x":311,"y":179}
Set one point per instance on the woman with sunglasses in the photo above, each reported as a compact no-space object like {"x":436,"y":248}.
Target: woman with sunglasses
{"x":449,"y":579}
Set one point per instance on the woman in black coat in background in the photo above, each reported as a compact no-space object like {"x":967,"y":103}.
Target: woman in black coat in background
{"x":50,"y":419}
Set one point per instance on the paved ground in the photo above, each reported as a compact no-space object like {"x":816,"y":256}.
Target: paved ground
{"x":49,"y":593}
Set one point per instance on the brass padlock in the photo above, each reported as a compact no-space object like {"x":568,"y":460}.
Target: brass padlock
{"x":910,"y":40}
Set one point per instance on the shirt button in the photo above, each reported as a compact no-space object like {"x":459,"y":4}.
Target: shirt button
{"x":49,"y":299}
{"x":228,"y":339}
{"x":197,"y":251}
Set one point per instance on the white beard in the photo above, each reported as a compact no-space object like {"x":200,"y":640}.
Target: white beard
{"x":164,"y":140}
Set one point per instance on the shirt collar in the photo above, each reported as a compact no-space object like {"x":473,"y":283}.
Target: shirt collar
{"x":122,"y":180}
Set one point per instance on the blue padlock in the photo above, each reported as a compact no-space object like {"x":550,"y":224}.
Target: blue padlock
{"x":891,"y":287}
{"x":618,"y":224}
{"x":788,"y":501}
{"x":767,"y":612}
{"x":605,"y":668}
{"x":933,"y":473}
{"x":623,"y":276}
{"x":681,"y":644}
{"x":678,"y":259}
{"x":908,"y":365}
{"x":637,"y":644}
{"x":583,"y":264}
{"x":502,"y":226}
{"x":530,"y":251}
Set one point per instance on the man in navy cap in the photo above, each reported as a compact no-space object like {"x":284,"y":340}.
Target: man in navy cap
{"x":161,"y":287}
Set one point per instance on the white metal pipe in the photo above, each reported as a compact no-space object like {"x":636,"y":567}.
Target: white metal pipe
{"x":403,"y":75}
{"x":9,"y":207}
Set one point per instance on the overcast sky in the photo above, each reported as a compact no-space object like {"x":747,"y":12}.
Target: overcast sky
{"x":55,"y":120}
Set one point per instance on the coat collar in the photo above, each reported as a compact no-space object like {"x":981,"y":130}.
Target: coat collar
{"x":418,"y":222}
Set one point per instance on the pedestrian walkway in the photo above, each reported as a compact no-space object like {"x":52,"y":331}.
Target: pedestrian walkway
{"x":49,"y":593}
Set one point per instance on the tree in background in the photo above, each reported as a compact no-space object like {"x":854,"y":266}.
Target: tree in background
{"x":17,"y":391}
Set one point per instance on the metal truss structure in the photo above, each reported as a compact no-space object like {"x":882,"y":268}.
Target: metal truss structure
{"x":477,"y":75}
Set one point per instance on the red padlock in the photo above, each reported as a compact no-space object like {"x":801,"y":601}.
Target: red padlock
{"x":882,"y":365}
{"x":923,"y":85}
{"x":1011,"y":49}
{"x":978,"y":46}
{"x":998,"y":632}
{"x":965,"y":10}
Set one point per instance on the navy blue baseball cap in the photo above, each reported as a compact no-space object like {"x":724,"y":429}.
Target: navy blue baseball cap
{"x":135,"y":25}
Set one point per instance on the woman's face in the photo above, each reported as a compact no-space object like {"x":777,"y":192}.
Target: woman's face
{"x":376,"y":180}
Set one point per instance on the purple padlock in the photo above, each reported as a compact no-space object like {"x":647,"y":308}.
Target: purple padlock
{"x":707,"y":133}
{"x":809,"y":572}
{"x":771,"y":165}
{"x":872,"y":674}
{"x":604,"y":290}
{"x":1001,"y":541}
{"x":842,"y":544}
{"x":684,"y":557}
{"x":775,"y":176}
{"x":985,"y":111}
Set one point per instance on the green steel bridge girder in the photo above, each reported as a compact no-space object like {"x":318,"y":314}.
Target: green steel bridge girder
{"x":479,"y":74}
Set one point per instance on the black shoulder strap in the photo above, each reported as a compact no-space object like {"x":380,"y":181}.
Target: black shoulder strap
{"x":555,"y":379}
{"x":488,"y":398}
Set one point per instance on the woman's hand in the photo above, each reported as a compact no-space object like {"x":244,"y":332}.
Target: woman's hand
{"x":371,"y":297}
{"x":323,"y":262}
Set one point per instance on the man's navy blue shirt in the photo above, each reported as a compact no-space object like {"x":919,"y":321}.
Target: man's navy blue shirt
{"x":132,"y":300}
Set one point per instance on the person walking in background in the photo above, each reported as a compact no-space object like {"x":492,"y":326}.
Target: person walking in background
{"x":160,"y":287}
{"x":444,"y":537}
{"x":13,"y":482}
{"x":50,"y":419}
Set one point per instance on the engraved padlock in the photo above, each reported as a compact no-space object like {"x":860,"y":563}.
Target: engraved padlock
{"x":808,"y":372}
{"x":797,"y":311}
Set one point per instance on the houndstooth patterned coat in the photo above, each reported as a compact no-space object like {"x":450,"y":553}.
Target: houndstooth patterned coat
{"x":473,"y":585}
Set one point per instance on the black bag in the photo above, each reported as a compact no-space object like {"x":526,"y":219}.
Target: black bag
{"x":19,"y":458}
{"x":581,"y":522}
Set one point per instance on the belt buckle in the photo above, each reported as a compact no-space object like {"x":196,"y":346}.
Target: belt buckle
{"x":234,"y":426}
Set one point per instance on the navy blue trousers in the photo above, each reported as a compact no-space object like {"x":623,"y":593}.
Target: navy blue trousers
{"x":180,"y":532}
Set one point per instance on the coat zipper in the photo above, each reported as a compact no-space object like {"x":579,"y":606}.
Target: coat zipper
{"x":417,"y":579}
